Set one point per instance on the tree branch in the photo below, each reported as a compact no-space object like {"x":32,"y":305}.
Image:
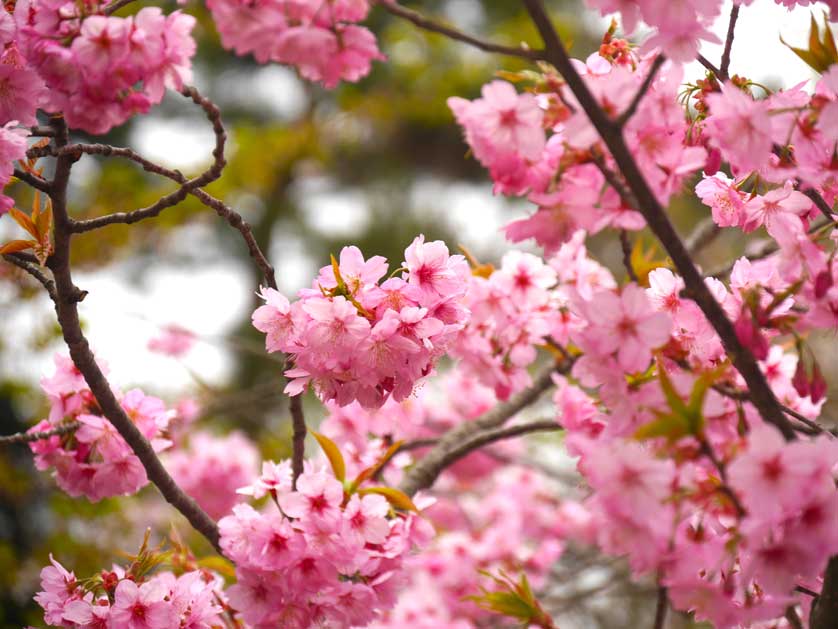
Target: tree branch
{"x":66,"y":308}
{"x":731,"y":27}
{"x":657,"y":220}
{"x":28,"y":437}
{"x":641,"y":92}
{"x":435,"y":27}
{"x":186,"y":185}
{"x":824,"y":613}
{"x":116,"y":5}
{"x":33,"y":180}
{"x":425,"y":472}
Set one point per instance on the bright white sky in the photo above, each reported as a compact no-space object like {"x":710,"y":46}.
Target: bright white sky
{"x":121,"y":316}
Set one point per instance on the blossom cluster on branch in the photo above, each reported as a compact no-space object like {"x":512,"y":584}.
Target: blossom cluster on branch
{"x":689,"y":401}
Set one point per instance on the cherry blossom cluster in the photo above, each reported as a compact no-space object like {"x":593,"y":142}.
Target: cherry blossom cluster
{"x":687,"y":481}
{"x":94,"y":460}
{"x":512,"y":311}
{"x":682,"y":26}
{"x":322,"y":558}
{"x":98,"y":70}
{"x":563,"y":174}
{"x":321,"y":38}
{"x":118,"y":598}
{"x":509,"y":520}
{"x":352,"y":338}
{"x":488,"y":515}
{"x":223,"y":463}
{"x":524,"y":305}
{"x":364,"y":435}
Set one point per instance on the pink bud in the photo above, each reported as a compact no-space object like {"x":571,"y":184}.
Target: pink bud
{"x":800,"y":381}
{"x":823,"y":282}
{"x":713,"y":163}
{"x":818,"y":386}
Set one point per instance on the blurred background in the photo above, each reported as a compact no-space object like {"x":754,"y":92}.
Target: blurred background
{"x":371,"y":164}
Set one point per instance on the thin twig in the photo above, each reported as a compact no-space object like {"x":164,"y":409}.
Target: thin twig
{"x":28,"y":437}
{"x":724,"y":66}
{"x":299,"y":438}
{"x":32,"y":269}
{"x":116,"y":5}
{"x":707,"y":64}
{"x":625,"y":244}
{"x":435,"y":27}
{"x":425,"y":472}
{"x":656,"y":218}
{"x":641,"y":92}
{"x":186,"y":185}
{"x":819,"y":201}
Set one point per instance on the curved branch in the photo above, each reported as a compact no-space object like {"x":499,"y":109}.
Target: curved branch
{"x":66,"y":307}
{"x":186,"y":185}
{"x":657,"y":220}
{"x":34,"y":270}
{"x":731,"y":27}
{"x":425,"y":472}
{"x":435,"y":27}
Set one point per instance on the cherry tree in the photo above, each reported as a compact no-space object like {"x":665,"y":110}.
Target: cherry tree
{"x":690,"y":399}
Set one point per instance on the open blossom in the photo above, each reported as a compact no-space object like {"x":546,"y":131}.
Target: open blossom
{"x":95,"y":462}
{"x":12,"y":147}
{"x":293,"y":564}
{"x":161,"y":601}
{"x":725,"y":200}
{"x":223,"y":463}
{"x":778,"y":210}
{"x":504,"y":129}
{"x":353,"y":339}
{"x":741,"y":127}
{"x":101,"y":70}
{"x":327,"y":46}
{"x":680,"y":25}
{"x":625,"y":324}
{"x":173,"y":341}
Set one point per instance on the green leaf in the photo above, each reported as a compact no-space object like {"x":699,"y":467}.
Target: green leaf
{"x":395,"y":497}
{"x":506,"y":604}
{"x":332,"y":453}
{"x":673,"y":398}
{"x":668,"y":425}
{"x":218,"y":564}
